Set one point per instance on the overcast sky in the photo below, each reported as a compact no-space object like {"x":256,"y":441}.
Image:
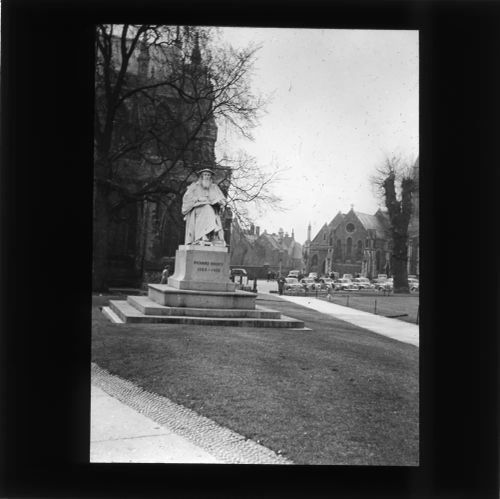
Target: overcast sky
{"x":343,"y":99}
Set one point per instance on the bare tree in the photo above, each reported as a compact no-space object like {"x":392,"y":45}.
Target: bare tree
{"x":159,"y":92}
{"x":396,"y":185}
{"x":250,"y":189}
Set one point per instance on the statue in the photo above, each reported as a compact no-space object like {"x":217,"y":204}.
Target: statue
{"x":201,"y":207}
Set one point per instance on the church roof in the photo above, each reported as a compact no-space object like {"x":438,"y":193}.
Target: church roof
{"x":317,"y":238}
{"x":373,"y":222}
{"x":336,"y":220}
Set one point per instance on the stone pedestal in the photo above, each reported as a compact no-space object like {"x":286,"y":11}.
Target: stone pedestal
{"x":165,"y":294}
{"x":200,"y":293}
{"x":202,"y":268}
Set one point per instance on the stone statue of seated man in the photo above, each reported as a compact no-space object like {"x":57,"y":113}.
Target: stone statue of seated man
{"x":201,"y":207}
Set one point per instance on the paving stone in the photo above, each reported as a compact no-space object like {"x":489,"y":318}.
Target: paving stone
{"x":224,"y":444}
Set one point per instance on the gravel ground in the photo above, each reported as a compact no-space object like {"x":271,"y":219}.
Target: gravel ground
{"x":224,"y":444}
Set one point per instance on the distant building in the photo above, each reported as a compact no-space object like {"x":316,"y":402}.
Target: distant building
{"x":264,"y":252}
{"x":357,"y":242}
{"x":351,"y":243}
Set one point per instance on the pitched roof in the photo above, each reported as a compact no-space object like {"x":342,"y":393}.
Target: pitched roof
{"x":373,"y":222}
{"x":325,"y":226}
{"x":272,"y":239}
{"x":336,"y":220}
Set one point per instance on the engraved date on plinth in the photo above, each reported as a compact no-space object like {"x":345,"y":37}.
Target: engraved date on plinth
{"x":208,"y":266}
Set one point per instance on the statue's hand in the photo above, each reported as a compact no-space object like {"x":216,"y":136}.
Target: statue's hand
{"x":201,"y":201}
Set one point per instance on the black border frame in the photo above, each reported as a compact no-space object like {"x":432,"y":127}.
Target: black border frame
{"x":47,"y":102}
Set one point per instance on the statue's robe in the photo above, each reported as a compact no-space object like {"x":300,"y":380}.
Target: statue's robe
{"x":201,"y":220}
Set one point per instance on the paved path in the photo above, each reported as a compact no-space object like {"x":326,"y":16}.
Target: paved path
{"x":132,"y":425}
{"x":119,"y":434}
{"x":392,"y":328}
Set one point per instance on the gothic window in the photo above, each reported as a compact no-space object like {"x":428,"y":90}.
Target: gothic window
{"x":314,"y":260}
{"x":348,"y":249}
{"x":359,"y":251}
{"x":338,"y":251}
{"x":350,"y":227}
{"x":367,"y":243}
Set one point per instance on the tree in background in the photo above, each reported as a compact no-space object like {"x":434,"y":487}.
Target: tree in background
{"x":160,"y":90}
{"x":250,"y":189}
{"x":396,"y":185}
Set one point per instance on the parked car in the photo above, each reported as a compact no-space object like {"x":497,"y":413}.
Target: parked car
{"x":363,"y":283}
{"x":326,"y":282}
{"x":345,"y":285}
{"x":239,"y":276}
{"x":310,"y":284}
{"x":292,"y":284}
{"x":387,"y":285}
{"x":313,"y":275}
{"x":294,"y":273}
{"x":347,"y":276}
{"x":378,"y":283}
{"x":238,"y":272}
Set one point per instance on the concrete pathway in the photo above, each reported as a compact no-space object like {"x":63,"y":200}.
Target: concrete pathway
{"x":120,"y":434}
{"x":131,"y":425}
{"x":392,"y":328}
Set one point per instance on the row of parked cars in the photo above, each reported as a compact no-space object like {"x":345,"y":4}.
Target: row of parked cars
{"x":346,"y":283}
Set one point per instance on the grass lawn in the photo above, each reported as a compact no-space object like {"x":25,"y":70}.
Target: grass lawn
{"x":336,"y":394}
{"x":389,"y":305}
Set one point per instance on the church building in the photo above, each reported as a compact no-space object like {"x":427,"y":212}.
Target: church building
{"x":360,"y":243}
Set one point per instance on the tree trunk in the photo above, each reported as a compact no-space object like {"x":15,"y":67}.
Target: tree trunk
{"x":399,"y":261}
{"x":399,"y":215}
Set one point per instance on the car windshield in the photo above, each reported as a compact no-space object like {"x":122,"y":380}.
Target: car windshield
{"x":291,"y":280}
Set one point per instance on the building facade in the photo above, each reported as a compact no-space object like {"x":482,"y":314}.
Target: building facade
{"x":360,"y":243}
{"x":352,"y":243}
{"x":262,"y":252}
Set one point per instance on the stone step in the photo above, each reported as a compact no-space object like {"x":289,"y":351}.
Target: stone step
{"x":166,"y":295}
{"x":130,"y":314}
{"x":148,"y":307}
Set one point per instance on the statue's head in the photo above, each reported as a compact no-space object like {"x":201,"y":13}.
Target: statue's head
{"x":205,"y":177}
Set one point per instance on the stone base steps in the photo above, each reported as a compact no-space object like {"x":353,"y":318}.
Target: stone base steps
{"x":148,"y":307}
{"x":128,"y":313}
{"x":164,"y":294}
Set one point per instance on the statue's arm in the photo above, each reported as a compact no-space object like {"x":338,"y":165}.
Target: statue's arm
{"x":217,"y":196}
{"x":192,"y":200}
{"x":189,"y":200}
